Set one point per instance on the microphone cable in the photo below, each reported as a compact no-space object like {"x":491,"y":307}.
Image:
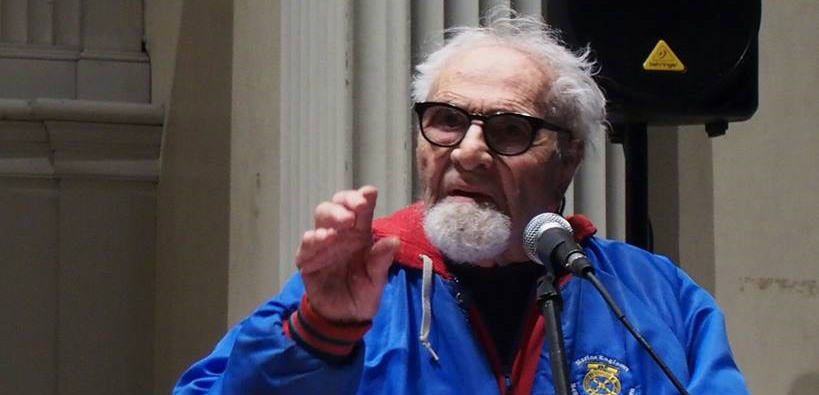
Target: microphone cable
{"x":589,"y":275}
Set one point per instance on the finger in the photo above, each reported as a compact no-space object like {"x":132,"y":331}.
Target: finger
{"x":381,"y":257}
{"x":310,"y":255}
{"x":307,"y":248}
{"x":327,"y":259}
{"x":333,"y":215}
{"x":352,"y":200}
{"x":328,"y":247}
{"x":364,"y":216}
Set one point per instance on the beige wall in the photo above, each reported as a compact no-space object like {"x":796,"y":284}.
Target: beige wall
{"x":78,"y":163}
{"x":105,"y":279}
{"x":219,"y":183}
{"x":75,"y":285}
{"x":161,"y":33}
{"x":765,"y":186}
{"x":737,"y":211}
{"x":193,"y":193}
{"x":28,"y":279}
{"x":681,"y":199}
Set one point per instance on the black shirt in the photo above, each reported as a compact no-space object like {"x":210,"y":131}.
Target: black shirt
{"x":502,"y":295}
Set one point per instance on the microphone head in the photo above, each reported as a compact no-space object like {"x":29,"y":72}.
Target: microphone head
{"x":536,"y":227}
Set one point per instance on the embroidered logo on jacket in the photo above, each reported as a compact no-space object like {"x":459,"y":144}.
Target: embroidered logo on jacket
{"x":601,"y":375}
{"x":601,"y":379}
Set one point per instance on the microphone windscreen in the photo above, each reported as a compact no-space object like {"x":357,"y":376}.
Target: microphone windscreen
{"x":536,"y":227}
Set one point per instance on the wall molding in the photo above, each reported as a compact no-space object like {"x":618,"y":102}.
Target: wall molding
{"x":81,"y":111}
{"x":42,"y":52}
{"x":79,"y":138}
{"x":71,"y":72}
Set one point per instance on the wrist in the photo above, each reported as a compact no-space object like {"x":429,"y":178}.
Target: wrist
{"x":330,"y":339}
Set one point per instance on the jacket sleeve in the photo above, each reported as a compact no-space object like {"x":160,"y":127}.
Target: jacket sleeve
{"x":711,"y":365}
{"x":258,"y":356}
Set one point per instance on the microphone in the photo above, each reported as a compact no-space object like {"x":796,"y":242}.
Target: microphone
{"x":548,"y":237}
{"x":542,"y":238}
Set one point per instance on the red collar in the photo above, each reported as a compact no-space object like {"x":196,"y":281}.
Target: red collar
{"x":406,"y":223}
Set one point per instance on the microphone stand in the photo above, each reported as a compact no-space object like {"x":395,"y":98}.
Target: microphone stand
{"x":551,"y":304}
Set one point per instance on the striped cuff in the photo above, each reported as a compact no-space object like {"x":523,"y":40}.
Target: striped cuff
{"x":329,"y":340}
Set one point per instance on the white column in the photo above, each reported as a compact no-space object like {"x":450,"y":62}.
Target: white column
{"x":381,"y":106}
{"x":615,"y":191}
{"x":427,"y":36}
{"x":487,"y":4}
{"x":568,"y":208}
{"x":427,"y":25}
{"x":345,"y":108}
{"x":40,"y":22}
{"x":462,"y":12}
{"x":316,"y":125}
{"x":530,"y":7}
{"x":254,"y":157}
{"x":590,"y":183}
{"x":14,"y":23}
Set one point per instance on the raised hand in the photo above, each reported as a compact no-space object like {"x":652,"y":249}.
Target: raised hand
{"x":343,"y":270}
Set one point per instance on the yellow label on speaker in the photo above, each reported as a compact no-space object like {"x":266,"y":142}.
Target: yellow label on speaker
{"x":662,"y":58}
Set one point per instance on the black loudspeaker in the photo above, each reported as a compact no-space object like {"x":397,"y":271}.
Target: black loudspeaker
{"x":669,"y":62}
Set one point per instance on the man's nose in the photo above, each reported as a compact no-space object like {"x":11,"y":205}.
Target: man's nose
{"x":472,"y":152}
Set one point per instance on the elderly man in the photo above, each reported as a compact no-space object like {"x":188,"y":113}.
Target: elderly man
{"x":439,"y":297}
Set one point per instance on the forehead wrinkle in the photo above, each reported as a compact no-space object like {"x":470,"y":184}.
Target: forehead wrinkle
{"x":511,"y":74}
{"x":484,"y":107}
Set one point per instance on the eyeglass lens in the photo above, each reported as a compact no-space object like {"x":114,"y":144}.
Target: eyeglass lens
{"x":508,"y":134}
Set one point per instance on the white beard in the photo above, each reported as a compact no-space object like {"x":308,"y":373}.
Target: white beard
{"x":467,"y":232}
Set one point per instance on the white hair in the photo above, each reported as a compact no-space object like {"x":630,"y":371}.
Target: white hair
{"x":467,"y":232}
{"x":573,"y":99}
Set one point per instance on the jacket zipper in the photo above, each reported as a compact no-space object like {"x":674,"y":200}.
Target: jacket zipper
{"x":507,"y":368}
{"x":473,"y":316}
{"x":508,"y":383}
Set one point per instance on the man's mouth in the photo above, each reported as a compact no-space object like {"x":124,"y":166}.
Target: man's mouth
{"x":477,"y":197}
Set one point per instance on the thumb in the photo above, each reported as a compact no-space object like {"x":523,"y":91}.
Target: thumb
{"x":380,"y":257}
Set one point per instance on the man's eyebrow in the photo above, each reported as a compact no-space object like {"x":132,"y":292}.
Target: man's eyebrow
{"x":495,"y":110}
{"x":507,"y":111}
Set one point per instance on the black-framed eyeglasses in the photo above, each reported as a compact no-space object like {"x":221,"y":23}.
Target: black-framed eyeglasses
{"x":505,"y":133}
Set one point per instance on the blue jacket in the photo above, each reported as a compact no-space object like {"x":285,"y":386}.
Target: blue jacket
{"x":679,"y":319}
